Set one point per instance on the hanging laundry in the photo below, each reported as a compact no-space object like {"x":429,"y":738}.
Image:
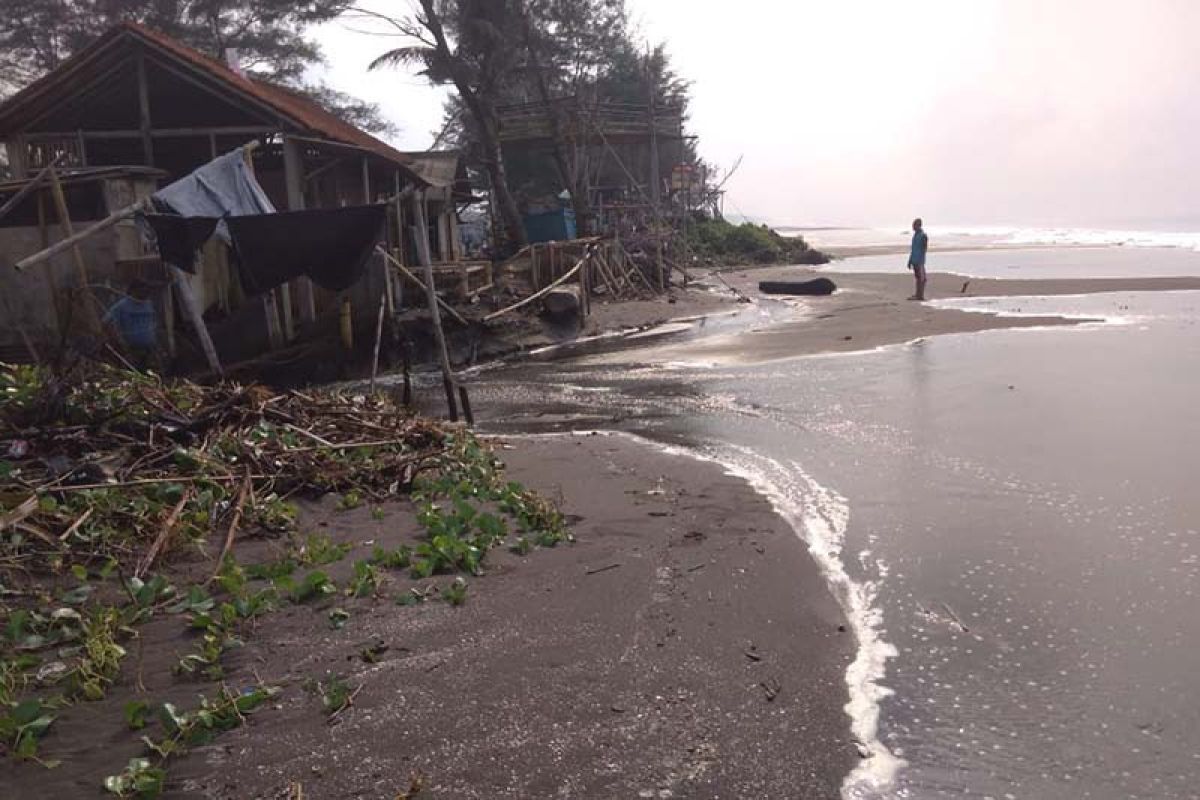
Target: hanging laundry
{"x":223,"y":187}
{"x":331,"y":246}
{"x":178,"y":238}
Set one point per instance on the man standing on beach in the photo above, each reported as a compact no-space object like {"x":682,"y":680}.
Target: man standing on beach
{"x":916,"y":258}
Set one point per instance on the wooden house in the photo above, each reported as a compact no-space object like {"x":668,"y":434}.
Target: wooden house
{"x":136,"y":110}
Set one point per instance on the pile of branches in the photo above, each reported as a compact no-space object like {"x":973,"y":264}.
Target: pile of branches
{"x":112,"y":465}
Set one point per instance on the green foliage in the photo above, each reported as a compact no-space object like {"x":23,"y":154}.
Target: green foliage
{"x":400,"y":558}
{"x":23,"y":725}
{"x":335,"y":693}
{"x":350,"y":500}
{"x":201,"y":725}
{"x":319,"y":549}
{"x":365,"y":581}
{"x":748,"y":243}
{"x":456,"y":592}
{"x":100,"y":661}
{"x":274,"y":513}
{"x":139,"y":780}
{"x":316,"y":585}
{"x":136,"y":714}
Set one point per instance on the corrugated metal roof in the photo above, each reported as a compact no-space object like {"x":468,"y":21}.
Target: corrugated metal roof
{"x":302,"y":114}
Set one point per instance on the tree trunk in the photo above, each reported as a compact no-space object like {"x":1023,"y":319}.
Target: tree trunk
{"x":571,"y":179}
{"x":484,"y":112}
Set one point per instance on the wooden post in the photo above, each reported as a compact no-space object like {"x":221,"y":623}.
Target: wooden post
{"x":168,"y":306}
{"x":91,"y":317}
{"x":18,"y":156}
{"x":284,"y":294}
{"x":274,"y":334}
{"x":192,"y":309}
{"x":422,"y":239}
{"x":662,"y":275}
{"x":366,"y":177}
{"x":346,"y":320}
{"x":378,"y":338}
{"x":293,"y":176}
{"x":143,"y":87}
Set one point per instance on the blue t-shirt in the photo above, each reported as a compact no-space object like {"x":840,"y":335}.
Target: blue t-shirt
{"x":135,"y":319}
{"x":920,"y":244}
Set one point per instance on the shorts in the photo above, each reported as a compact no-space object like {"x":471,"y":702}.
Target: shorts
{"x":918,"y":271}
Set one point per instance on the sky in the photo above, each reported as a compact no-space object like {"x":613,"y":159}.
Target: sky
{"x":870,"y":112}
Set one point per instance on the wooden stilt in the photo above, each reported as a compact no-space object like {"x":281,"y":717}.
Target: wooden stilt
{"x":422,"y":239}
{"x":466,"y":405}
{"x":346,"y":318}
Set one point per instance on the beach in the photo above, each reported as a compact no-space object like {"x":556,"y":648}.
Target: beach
{"x":823,"y":547}
{"x":685,"y":645}
{"x":1012,"y":552}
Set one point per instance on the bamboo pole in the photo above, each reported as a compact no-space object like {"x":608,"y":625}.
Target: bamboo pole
{"x":91,"y":317}
{"x":29,"y":187}
{"x":422,"y":239}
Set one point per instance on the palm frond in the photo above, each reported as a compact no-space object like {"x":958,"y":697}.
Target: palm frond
{"x":404,"y":57}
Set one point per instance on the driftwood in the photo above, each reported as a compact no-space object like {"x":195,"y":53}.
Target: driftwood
{"x":236,"y":520}
{"x":815,"y":287}
{"x":164,"y":534}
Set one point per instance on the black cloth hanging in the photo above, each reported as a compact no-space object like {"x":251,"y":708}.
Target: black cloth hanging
{"x":178,"y":238}
{"x":331,"y":246}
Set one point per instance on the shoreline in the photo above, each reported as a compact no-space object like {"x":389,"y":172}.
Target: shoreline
{"x":685,"y":644}
{"x":870,"y":311}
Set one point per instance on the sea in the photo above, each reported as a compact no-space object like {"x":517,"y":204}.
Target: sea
{"x":1010,"y":519}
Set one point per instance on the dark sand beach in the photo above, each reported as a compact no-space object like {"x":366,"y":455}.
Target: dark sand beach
{"x":685,"y":646}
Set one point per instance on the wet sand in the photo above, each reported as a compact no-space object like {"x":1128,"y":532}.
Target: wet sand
{"x":870,"y":310}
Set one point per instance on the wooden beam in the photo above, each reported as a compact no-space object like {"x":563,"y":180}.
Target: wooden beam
{"x":366,"y":177}
{"x":158,"y":133}
{"x":145,"y":125}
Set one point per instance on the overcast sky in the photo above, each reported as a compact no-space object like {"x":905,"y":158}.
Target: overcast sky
{"x":1055,"y":112}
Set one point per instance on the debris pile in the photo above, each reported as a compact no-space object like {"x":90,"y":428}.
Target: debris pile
{"x":109,"y":464}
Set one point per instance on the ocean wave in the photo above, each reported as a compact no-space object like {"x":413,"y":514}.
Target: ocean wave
{"x":1096,"y":237}
{"x":820,"y":516}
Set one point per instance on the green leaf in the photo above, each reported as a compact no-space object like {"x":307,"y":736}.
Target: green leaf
{"x":136,"y":712}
